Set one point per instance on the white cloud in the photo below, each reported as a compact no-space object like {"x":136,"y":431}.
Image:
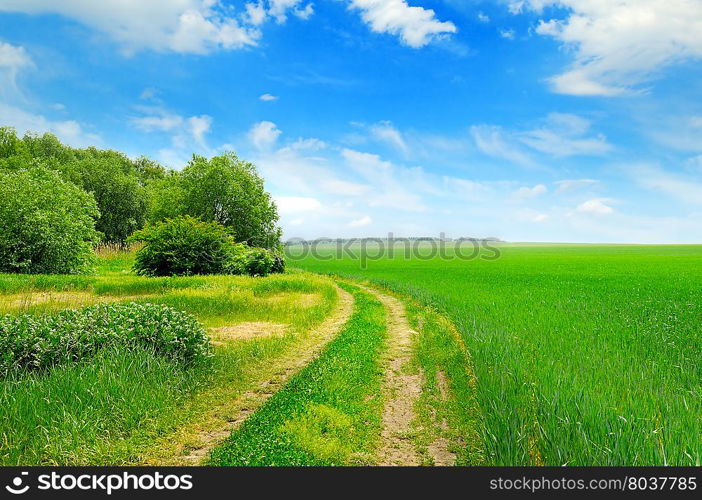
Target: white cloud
{"x":363,"y":221}
{"x":183,"y":129}
{"x":296,"y":204}
{"x":268,"y":97}
{"x":385,"y":131}
{"x":483,"y":18}
{"x":508,"y":34}
{"x":416,"y":26}
{"x":164,"y":122}
{"x":493,"y":141}
{"x":69,"y":131}
{"x":525,"y":193}
{"x":597,"y":206}
{"x":13,"y":57}
{"x":618,"y":45}
{"x":264,"y":135}
{"x":564,"y":135}
{"x":185,"y":26}
{"x":255,"y":13}
{"x":679,"y":187}
{"x":199,"y":126}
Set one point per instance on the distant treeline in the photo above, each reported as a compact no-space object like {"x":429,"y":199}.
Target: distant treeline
{"x":385,"y":240}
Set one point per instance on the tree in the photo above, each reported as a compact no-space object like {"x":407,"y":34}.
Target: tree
{"x":47,"y":225}
{"x":119,"y":194}
{"x":228,"y":190}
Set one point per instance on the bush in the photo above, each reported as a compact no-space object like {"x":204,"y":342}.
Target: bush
{"x":39,"y":342}
{"x":253,"y":261}
{"x":184,"y":246}
{"x":47,"y":225}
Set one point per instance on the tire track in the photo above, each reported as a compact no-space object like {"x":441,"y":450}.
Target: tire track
{"x":202,"y":441}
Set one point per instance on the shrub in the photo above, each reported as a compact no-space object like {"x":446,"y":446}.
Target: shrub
{"x":47,"y":225}
{"x":184,"y":246}
{"x":39,"y":342}
{"x":252,"y":261}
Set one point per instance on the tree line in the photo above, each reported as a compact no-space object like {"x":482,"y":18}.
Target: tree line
{"x":57,"y":201}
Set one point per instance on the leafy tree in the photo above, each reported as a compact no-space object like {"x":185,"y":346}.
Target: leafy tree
{"x":229,"y":191}
{"x":166,"y":198}
{"x":121,"y":198}
{"x":47,"y":225}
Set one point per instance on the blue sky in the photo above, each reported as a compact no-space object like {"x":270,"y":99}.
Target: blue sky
{"x":534,"y":120}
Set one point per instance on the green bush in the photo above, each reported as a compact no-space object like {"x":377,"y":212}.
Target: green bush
{"x":253,"y":261}
{"x":29,"y":343}
{"x":47,"y":225}
{"x":184,"y":246}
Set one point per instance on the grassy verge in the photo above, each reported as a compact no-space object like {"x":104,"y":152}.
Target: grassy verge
{"x":330,"y":412}
{"x":448,"y":409}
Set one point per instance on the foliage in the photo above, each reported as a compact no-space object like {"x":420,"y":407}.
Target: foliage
{"x":114,"y":183}
{"x":184,"y":246}
{"x":222,"y":189}
{"x":252,"y":261}
{"x":30,"y":342}
{"x":47,"y":225}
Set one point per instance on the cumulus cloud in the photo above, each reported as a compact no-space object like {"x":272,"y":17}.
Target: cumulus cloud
{"x":184,"y":26}
{"x":415,"y":26}
{"x":619,"y":45}
{"x":597,"y":206}
{"x":268,"y":98}
{"x":264,"y":135}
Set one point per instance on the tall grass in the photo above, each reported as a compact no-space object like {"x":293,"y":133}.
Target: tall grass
{"x":584,"y":355}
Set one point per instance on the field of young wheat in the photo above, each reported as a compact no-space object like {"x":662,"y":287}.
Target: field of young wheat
{"x":583,"y":355}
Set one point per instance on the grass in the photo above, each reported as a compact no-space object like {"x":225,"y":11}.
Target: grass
{"x":330,"y":412}
{"x":115,"y":408}
{"x":448,"y":408}
{"x":582,"y":355}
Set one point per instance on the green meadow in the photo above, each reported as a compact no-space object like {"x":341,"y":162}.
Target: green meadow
{"x":583,"y":355}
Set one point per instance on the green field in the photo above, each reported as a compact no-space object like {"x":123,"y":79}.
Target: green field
{"x":584,"y":355}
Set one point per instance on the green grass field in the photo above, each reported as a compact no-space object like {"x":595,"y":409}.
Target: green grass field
{"x":584,"y":355}
{"x":113,"y":408}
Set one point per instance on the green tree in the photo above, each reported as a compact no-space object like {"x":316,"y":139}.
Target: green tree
{"x":228,"y":190}
{"x":117,"y":189}
{"x":47,"y":225}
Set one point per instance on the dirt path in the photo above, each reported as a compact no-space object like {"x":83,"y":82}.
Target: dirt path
{"x":401,"y":390}
{"x":200,"y":438}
